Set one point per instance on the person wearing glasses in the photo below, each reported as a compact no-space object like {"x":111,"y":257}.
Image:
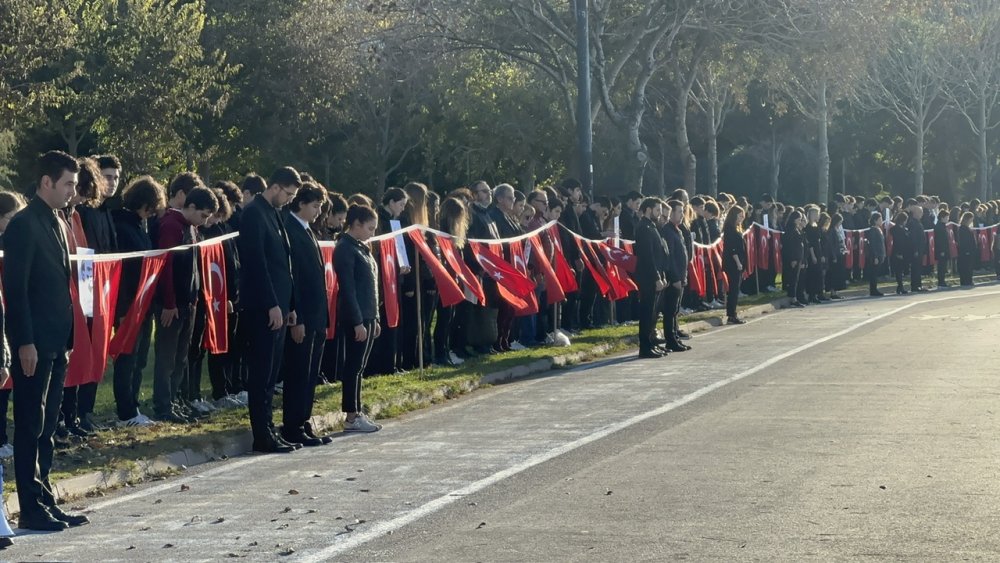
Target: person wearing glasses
{"x":266,"y":297}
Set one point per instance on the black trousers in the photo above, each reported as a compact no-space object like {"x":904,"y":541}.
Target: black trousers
{"x":648,"y":309}
{"x":871,"y":274}
{"x":191,"y":385}
{"x":220,"y":366}
{"x":171,"y":362}
{"x":300,"y":368}
{"x":966,"y":265}
{"x":264,"y":363}
{"x":588,"y":299}
{"x":128,"y":372}
{"x":942,"y":270}
{"x":916,"y":270}
{"x":355,"y":358}
{"x":36,"y":414}
{"x":733,"y":296}
{"x":409,"y":324}
{"x":671,"y":304}
{"x":4,"y":404}
{"x":898,"y":266}
{"x":442,"y":334}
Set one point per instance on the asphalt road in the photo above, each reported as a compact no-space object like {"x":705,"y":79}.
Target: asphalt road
{"x":858,"y":430}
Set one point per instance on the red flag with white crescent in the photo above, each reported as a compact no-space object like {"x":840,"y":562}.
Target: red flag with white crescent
{"x":213,"y":288}
{"x":387,"y":257}
{"x":696,"y":273}
{"x":503,"y":273}
{"x":952,"y":242}
{"x":553,"y":289}
{"x":520,"y":260}
{"x":81,"y":360}
{"x":447,"y":287}
{"x":566,"y":274}
{"x":124,"y":339}
{"x":593,"y":266}
{"x":107,"y":276}
{"x":618,"y":257}
{"x":763,"y":248}
{"x":850,"y":237}
{"x":776,"y":249}
{"x":750,"y":241}
{"x":332,"y":289}
{"x":473,"y":288}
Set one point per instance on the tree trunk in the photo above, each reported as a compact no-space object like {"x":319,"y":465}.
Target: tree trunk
{"x":527,"y":179}
{"x":775,"y":163}
{"x":71,"y":136}
{"x":985,"y":184}
{"x":688,"y":161}
{"x":823,"y":139}
{"x":918,"y":164}
{"x":663,"y":164}
{"x":635,"y":161}
{"x":713,"y":151}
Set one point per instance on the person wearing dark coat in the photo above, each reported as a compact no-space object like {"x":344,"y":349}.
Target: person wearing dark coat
{"x":357,"y":310}
{"x":734,"y":260}
{"x":590,"y":228}
{"x":676,"y":272}
{"x":306,"y":339}
{"x":39,"y":327}
{"x":917,"y":247}
{"x":266,"y":297}
{"x":875,"y":253}
{"x":570,"y":192}
{"x":793,"y":248}
{"x":968,"y":252}
{"x":902,"y":249}
{"x":815,"y":256}
{"x":942,"y":247}
{"x":385,"y":359}
{"x":140,"y":200}
{"x":650,"y":274}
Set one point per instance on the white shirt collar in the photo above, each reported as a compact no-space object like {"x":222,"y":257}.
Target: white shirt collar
{"x":301,"y":221}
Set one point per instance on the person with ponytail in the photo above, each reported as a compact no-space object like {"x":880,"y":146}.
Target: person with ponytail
{"x":734,"y":260}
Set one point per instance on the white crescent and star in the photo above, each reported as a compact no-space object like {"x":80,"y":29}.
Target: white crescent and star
{"x":215,"y":270}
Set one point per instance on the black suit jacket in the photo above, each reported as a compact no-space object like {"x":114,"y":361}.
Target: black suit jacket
{"x":310,"y":279}
{"x":36,"y":280}
{"x":651,"y":254}
{"x":265,"y":258}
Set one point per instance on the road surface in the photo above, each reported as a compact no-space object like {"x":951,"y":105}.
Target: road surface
{"x":865,"y":429}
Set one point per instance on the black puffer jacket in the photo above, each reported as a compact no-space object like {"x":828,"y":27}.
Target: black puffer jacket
{"x":357,"y":275}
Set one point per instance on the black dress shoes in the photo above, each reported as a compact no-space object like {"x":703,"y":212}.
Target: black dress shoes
{"x":301,"y":438}
{"x":6,"y":542}
{"x":71,"y":520}
{"x":282,"y":441}
{"x":678,"y":347}
{"x":270,"y":446}
{"x":650,"y":354}
{"x":41,"y":521}
{"x":308,"y":431}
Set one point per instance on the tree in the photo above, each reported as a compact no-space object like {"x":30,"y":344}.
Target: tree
{"x":720,"y":88}
{"x":905,"y":80}
{"x":972,"y":75}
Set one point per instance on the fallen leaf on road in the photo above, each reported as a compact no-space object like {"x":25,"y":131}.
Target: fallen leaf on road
{"x":351,"y":479}
{"x":472,"y":504}
{"x":167,"y":545}
{"x":234,"y":555}
{"x":158,"y":501}
{"x":481,"y":525}
{"x":609,"y":493}
{"x":293,"y":492}
{"x":144,"y":529}
{"x":316,"y":476}
{"x":288,"y":551}
{"x":185,"y":488}
{"x":311,"y":511}
{"x":286,"y":510}
{"x":252,"y":544}
{"x":129,"y":547}
{"x":219,"y":520}
{"x":882,"y":487}
{"x":365,"y":490}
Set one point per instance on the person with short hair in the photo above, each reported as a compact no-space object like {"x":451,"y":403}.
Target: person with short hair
{"x":875,"y":253}
{"x":357,"y":310}
{"x":650,"y":274}
{"x":968,"y":253}
{"x":143,"y":198}
{"x":266,"y":297}
{"x":178,"y":298}
{"x":305,"y":340}
{"x":942,"y":246}
{"x":902,"y":252}
{"x":36,"y":279}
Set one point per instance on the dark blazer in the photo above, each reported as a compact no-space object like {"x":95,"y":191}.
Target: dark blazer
{"x":650,"y":253}
{"x":131,"y":234}
{"x":36,"y":280}
{"x":733,"y":246}
{"x":967,"y":244}
{"x":918,"y":240}
{"x":590,"y":225}
{"x":99,"y":228}
{"x":902,"y":248}
{"x":357,"y":274}
{"x":506,"y":227}
{"x":569,"y":219}
{"x":309,"y":276}
{"x":876,"y":246}
{"x":942,"y":248}
{"x":265,"y":258}
{"x":628,"y":222}
{"x":677,"y":258}
{"x":792,"y":246}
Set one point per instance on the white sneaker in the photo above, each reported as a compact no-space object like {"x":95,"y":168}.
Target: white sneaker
{"x":243,"y":398}
{"x":685,"y":311}
{"x":771,"y":288}
{"x":136,"y":421}
{"x":361,"y":424}
{"x":202,"y":406}
{"x":6,"y":450}
{"x":742,"y":295}
{"x":228,"y":402}
{"x":144,"y":420}
{"x":517,"y":346}
{"x":455,"y":360}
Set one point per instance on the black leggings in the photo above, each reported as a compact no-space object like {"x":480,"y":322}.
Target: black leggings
{"x":733,"y":296}
{"x":355,"y":359}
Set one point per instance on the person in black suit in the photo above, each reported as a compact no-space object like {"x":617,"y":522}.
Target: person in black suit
{"x":968,"y":253}
{"x":306,"y":339}
{"x":650,"y":277}
{"x":570,"y":191}
{"x":142,"y":199}
{"x":793,"y":248}
{"x":590,"y":228}
{"x":902,"y":253}
{"x":357,"y":310}
{"x":36,"y":279}
{"x":918,"y":247}
{"x":734,"y":260}
{"x":266,"y":295}
{"x":875,"y":254}
{"x":676,"y":271}
{"x":942,"y":248}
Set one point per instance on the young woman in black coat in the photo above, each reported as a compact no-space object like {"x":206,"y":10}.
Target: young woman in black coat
{"x":901,"y":250}
{"x":734,"y":260}
{"x":793,"y":248}
{"x":968,"y":250}
{"x":875,"y":255}
{"x":357,"y":310}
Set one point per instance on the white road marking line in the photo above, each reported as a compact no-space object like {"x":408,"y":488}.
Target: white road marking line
{"x":379,"y":529}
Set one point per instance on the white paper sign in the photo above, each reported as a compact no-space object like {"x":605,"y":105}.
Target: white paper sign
{"x":618,"y":233}
{"x":401,"y":257}
{"x":85,"y":281}
{"x":887,"y":215}
{"x":767,"y":221}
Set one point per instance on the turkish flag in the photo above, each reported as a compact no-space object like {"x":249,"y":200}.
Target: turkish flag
{"x":764,"y":250}
{"x":332,"y":288}
{"x":930,"y":259}
{"x":776,"y":249}
{"x":107,"y":276}
{"x":566,"y":274}
{"x":696,"y":272}
{"x":387,"y":256}
{"x":81,"y":360}
{"x":984,"y":245}
{"x":447,"y":287}
{"x":593,"y":266}
{"x":751,"y":245}
{"x":505,"y":275}
{"x":128,"y":331}
{"x":213,"y":288}
{"x":849,"y":257}
{"x":473,"y":288}
{"x":952,"y":244}
{"x":618,"y":256}
{"x":553,"y":289}
{"x":520,"y":259}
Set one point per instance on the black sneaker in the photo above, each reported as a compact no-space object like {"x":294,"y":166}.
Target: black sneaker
{"x":71,"y":520}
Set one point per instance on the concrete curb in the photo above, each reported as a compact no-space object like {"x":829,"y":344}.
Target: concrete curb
{"x":239,"y":442}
